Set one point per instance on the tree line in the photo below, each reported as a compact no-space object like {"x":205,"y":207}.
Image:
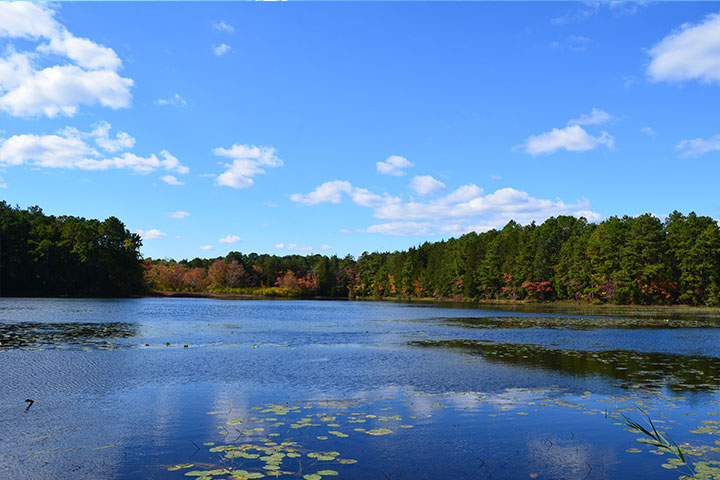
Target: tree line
{"x":45,"y":255}
{"x":621,"y":260}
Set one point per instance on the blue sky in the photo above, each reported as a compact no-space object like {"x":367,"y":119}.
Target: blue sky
{"x":343,"y":127}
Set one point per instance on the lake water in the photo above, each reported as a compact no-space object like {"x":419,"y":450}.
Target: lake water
{"x":201,"y":388}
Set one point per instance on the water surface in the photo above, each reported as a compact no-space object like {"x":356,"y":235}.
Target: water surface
{"x":162,"y":388}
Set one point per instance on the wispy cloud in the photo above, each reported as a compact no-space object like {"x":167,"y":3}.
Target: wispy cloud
{"x":221,"y":26}
{"x":292,"y":246}
{"x":222,"y":49}
{"x":206,"y":247}
{"x":174,"y":101}
{"x":648,"y":131}
{"x":595,"y":117}
{"x":698,"y":146}
{"x":178,"y":214}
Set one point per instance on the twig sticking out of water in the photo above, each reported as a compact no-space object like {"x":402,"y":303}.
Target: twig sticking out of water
{"x":30,"y":402}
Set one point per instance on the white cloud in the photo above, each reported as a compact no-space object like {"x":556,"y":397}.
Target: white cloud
{"x":690,"y":53}
{"x":171,"y":180}
{"x":247,"y":163}
{"x":327,"y":192}
{"x":572,"y":138}
{"x":325,"y":247}
{"x":426,"y":185}
{"x":589,"y":215}
{"x":465,"y":209}
{"x":221,"y":26}
{"x":174,"y":101}
{"x":402,"y":229}
{"x":394,"y":165}
{"x":596,"y":117}
{"x":495,"y":176}
{"x":122,"y":140}
{"x":178,"y":214}
{"x":69,"y":149}
{"x":206,"y":247}
{"x":332,"y":192}
{"x":698,"y":146}
{"x":152,"y":234}
{"x":292,"y":246}
{"x":648,"y":131}
{"x":230,"y":239}
{"x":220,"y":50}
{"x":28,"y":86}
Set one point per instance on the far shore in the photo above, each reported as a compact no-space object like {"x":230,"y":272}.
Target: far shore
{"x":501,"y":304}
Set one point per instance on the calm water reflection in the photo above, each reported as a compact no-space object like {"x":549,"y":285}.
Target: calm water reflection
{"x":129,"y":388}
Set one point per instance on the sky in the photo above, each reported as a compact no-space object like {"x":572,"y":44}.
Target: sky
{"x":338,"y":128}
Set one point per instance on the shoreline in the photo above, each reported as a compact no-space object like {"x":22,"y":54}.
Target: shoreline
{"x":510,"y":305}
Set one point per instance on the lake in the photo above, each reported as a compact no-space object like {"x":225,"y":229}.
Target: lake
{"x":200,"y":388}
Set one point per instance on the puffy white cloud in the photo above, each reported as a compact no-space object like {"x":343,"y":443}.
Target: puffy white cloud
{"x":325,"y":246}
{"x":595,"y":117}
{"x":698,"y":146}
{"x":247,"y":163}
{"x":206,"y":247}
{"x":220,"y":50}
{"x":230,"y":239}
{"x":178,"y":214}
{"x":394,"y":165}
{"x":70,"y":149}
{"x":426,"y":185}
{"x":465,"y":209}
{"x":27,"y":88}
{"x":572,"y":138}
{"x":152,"y":234}
{"x":221,"y":26}
{"x":171,"y":180}
{"x":690,"y":53}
{"x":174,"y":101}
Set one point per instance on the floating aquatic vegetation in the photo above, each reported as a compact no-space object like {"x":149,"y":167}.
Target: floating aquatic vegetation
{"x":637,"y":370}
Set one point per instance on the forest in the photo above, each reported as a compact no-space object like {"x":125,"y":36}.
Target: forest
{"x":621,"y":260}
{"x":44,"y":255}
